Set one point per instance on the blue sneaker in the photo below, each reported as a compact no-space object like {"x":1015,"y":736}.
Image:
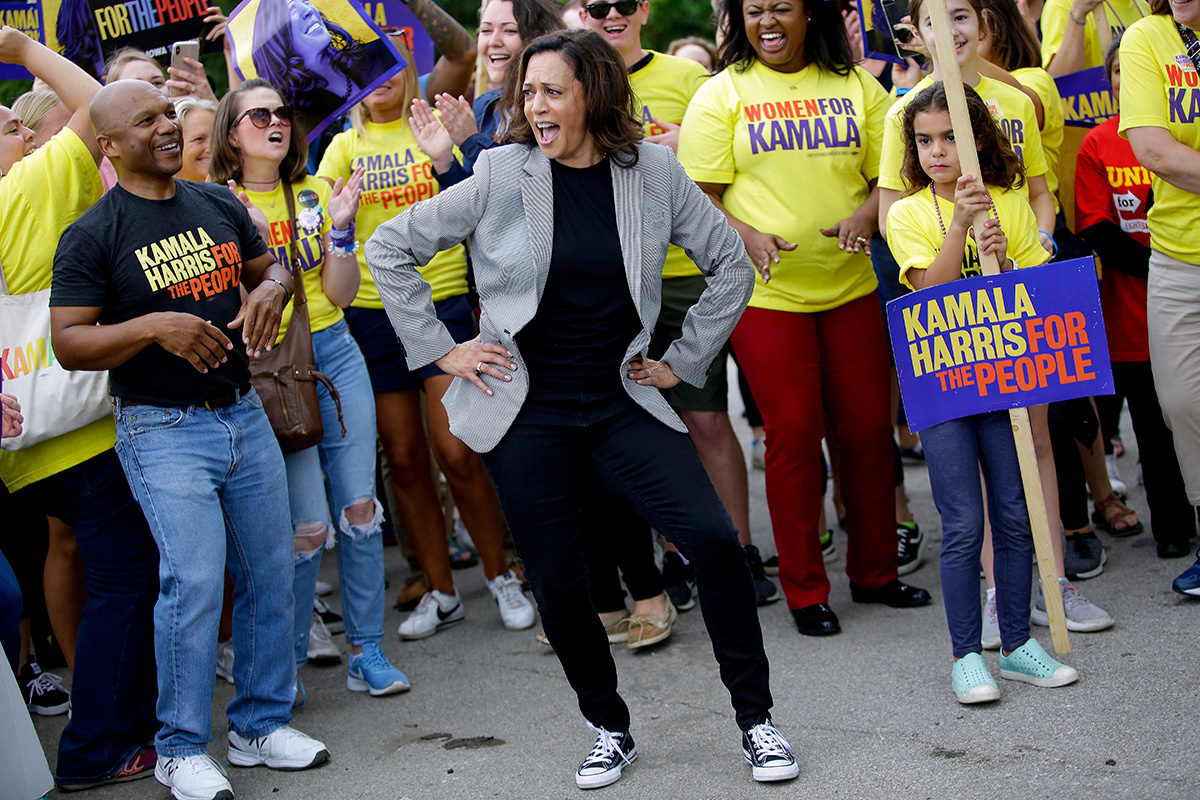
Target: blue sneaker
{"x":370,"y":671}
{"x":1189,"y":582}
{"x":973,"y":683}
{"x":1031,"y":664}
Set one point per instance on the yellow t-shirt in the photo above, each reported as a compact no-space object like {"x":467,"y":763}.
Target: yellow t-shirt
{"x":1160,"y":89}
{"x":1043,"y":85}
{"x":398,"y":175}
{"x":797,"y":152}
{"x":664,"y":87}
{"x":1120,"y":13}
{"x":1012,"y":109}
{"x":44,"y":193}
{"x":311,"y":198}
{"x":915,"y":235}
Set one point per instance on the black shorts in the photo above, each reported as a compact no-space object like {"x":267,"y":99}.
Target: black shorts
{"x":383,"y":352}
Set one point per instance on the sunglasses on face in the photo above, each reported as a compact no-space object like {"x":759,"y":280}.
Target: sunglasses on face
{"x":623,"y":7}
{"x":261,"y":117}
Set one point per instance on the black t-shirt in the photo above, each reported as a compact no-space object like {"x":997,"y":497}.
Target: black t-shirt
{"x":586,"y":318}
{"x":132,"y":256}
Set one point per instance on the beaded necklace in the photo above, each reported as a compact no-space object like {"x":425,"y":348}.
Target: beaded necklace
{"x":1120,"y":21}
{"x":938,"y":211}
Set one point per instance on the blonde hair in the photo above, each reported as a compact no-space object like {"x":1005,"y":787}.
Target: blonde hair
{"x":360,"y":115}
{"x":122,"y":57}
{"x":32,"y":107}
{"x":185,"y":104}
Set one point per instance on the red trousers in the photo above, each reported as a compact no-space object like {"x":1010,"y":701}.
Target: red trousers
{"x":800,"y":368}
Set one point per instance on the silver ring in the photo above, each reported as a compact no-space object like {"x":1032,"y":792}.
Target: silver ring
{"x":860,"y":239}
{"x":191,"y":88}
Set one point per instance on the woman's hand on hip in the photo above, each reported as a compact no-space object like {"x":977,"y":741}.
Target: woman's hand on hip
{"x":474,"y":359}
{"x":652,"y":373}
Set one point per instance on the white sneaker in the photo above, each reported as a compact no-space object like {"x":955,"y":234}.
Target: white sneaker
{"x":1114,"y":473}
{"x":991,"y":626}
{"x":320,"y":643}
{"x":283,"y":748}
{"x":195,"y":777}
{"x":758,"y":454}
{"x":324,"y":588}
{"x":225,"y":660}
{"x":515,"y":609}
{"x":435,"y":611}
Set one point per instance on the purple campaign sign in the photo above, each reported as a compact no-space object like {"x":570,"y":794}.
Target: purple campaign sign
{"x":996,"y":342}
{"x":1086,"y":97}
{"x":389,"y":14}
{"x":27,"y":17}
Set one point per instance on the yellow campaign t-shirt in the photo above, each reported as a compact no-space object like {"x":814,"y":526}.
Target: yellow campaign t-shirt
{"x":311,"y":199}
{"x":43,"y":194}
{"x":398,"y":175}
{"x":1046,"y":89}
{"x":797,"y":152}
{"x":1010,"y":107}
{"x":664,"y":87}
{"x":1160,"y":89}
{"x":915,"y":236}
{"x":1120,"y":13}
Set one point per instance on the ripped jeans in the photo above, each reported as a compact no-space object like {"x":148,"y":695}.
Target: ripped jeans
{"x":326,"y":480}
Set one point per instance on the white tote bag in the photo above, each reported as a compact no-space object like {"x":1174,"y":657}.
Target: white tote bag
{"x":53,"y":400}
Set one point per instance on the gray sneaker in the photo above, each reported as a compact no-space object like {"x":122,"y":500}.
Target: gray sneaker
{"x":991,"y":626}
{"x":1082,"y":614}
{"x":1083,"y":556}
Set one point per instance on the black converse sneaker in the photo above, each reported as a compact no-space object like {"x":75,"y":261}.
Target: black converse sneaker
{"x":769,"y":753}
{"x":609,"y":756}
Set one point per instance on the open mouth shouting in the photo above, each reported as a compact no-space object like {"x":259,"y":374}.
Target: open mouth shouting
{"x":275,"y":137}
{"x":773,"y":42}
{"x":546,"y":132}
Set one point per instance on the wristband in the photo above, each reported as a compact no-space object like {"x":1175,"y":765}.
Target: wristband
{"x":287,"y":293}
{"x":1071,"y":17}
{"x":348,"y":249}
{"x":902,"y":90}
{"x":342,"y":238}
{"x":1052,"y":242}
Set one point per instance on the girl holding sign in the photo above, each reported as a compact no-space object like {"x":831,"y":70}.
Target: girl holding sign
{"x":930,"y":232}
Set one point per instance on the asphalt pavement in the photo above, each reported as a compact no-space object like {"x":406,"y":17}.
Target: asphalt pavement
{"x":869,"y":712}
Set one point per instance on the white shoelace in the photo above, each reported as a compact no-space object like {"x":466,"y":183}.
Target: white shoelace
{"x":769,"y":743}
{"x":44,"y":683}
{"x":606,"y":746}
{"x":510,"y":591}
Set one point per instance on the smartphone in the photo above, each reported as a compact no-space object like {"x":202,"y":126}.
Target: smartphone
{"x":181,"y":50}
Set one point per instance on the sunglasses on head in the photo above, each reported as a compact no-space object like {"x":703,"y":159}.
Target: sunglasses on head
{"x":261,"y":117}
{"x":623,"y":7}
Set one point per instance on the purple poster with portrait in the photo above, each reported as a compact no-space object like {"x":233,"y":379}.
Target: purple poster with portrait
{"x":394,"y":16}
{"x":324,"y":56}
{"x":995,"y":342}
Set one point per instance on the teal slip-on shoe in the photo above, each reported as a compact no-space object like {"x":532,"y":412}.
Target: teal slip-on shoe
{"x":973,"y":683}
{"x":1031,"y":664}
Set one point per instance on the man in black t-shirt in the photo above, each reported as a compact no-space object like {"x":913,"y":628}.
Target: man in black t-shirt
{"x":147,"y":285}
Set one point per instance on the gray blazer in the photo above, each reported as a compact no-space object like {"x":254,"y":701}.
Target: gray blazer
{"x":507,"y":208}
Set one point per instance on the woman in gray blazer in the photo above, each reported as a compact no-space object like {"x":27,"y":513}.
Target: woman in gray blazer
{"x":569,"y":230}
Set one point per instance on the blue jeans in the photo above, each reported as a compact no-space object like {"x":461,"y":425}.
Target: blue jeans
{"x":955,"y":452}
{"x":325,"y":480}
{"x":10,"y":614}
{"x":211,"y":484}
{"x":114,"y":687}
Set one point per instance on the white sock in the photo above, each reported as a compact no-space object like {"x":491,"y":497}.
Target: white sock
{"x":991,"y":594}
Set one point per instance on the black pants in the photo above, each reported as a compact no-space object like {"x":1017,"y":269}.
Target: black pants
{"x":1172,"y":517}
{"x":564,"y":439}
{"x":114,"y":686}
{"x":616,"y":538}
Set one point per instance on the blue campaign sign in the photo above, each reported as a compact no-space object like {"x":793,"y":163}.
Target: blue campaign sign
{"x":27,"y":17}
{"x":996,"y":342}
{"x":1086,"y":97}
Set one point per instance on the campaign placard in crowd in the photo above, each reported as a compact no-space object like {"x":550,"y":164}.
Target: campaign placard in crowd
{"x":880,"y":37}
{"x":989,"y":343}
{"x":394,"y":14}
{"x":1087,"y":98}
{"x":148,"y":25}
{"x":27,"y":17}
{"x":324,"y":56}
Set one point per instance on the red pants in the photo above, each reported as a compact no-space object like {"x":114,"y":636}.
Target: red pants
{"x":800,"y":368}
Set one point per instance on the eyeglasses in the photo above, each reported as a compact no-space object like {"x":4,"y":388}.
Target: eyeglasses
{"x":623,"y":7}
{"x":261,"y":117}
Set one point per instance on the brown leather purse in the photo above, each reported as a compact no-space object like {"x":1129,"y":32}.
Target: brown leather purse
{"x":285,"y":377}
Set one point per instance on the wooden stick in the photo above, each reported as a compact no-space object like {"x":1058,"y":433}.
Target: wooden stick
{"x":968,"y":160}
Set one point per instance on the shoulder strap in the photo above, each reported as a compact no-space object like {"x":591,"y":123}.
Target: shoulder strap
{"x":297,"y":274}
{"x":1191,"y":43}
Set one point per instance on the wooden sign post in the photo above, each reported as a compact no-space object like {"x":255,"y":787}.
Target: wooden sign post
{"x":968,"y":161}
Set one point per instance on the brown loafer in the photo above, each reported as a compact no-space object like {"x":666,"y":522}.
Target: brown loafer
{"x":648,"y":629}
{"x":617,"y":631}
